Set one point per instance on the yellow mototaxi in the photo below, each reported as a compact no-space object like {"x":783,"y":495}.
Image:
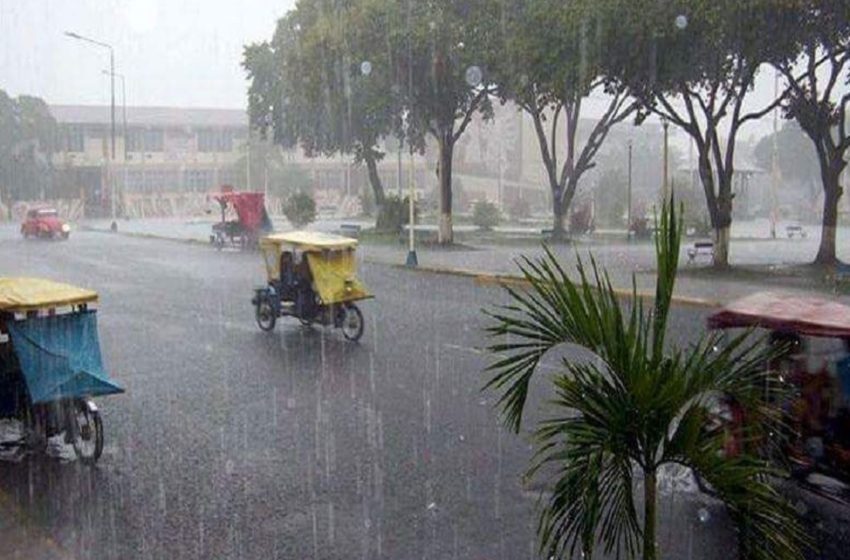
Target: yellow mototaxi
{"x":312,"y":276}
{"x":51,"y":365}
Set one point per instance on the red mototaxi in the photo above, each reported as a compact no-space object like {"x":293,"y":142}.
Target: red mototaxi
{"x":252,"y":219}
{"x":820,"y":411}
{"x":44,"y":223}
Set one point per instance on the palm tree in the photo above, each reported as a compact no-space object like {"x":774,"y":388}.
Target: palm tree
{"x":638,"y":407}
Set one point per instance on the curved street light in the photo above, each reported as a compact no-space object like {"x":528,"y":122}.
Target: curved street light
{"x":95,"y":42}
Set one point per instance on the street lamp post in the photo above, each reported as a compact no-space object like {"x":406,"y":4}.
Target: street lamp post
{"x":123,"y":121}
{"x":666,"y":181}
{"x":112,"y":102}
{"x":412,"y":260}
{"x":629,"y":196}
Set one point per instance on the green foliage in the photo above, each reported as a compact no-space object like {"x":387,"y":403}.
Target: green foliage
{"x":395,"y":214}
{"x":552,"y":63}
{"x":325,"y":81}
{"x":796,"y":156}
{"x":300,"y":209}
{"x":638,"y":404}
{"x":28,"y":134}
{"x":485,"y":215}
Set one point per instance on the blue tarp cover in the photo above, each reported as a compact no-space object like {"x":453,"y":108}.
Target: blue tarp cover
{"x":60,"y":357}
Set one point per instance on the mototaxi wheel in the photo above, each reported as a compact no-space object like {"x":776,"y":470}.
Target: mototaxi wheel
{"x":86,"y":431}
{"x":352,"y":322}
{"x":265,"y":314}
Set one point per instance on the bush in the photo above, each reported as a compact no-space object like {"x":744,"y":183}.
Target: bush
{"x":395,"y":213}
{"x":300,"y":209}
{"x":485,"y":215}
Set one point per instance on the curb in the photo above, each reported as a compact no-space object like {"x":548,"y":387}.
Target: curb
{"x":492,"y":279}
{"x":481,"y":278}
{"x":139,"y":235}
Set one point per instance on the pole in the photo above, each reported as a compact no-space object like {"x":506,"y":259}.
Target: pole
{"x":501,"y":166}
{"x":248,"y":164}
{"x":124,"y":123}
{"x":775,"y":163}
{"x":400,"y":144}
{"x":666,"y":183}
{"x":411,"y":254}
{"x":112,"y":121}
{"x":629,"y":196}
{"x":412,"y":261}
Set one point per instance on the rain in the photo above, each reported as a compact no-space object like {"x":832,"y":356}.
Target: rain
{"x":256,"y":262}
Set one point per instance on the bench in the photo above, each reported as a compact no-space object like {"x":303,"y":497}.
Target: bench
{"x":350,"y":230}
{"x":700,"y":248}
{"x":793,"y":230}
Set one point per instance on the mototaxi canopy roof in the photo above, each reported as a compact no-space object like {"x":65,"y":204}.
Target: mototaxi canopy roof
{"x":308,"y":241}
{"x":250,"y":208}
{"x":804,"y":315}
{"x":331,"y":258}
{"x":19,"y":295}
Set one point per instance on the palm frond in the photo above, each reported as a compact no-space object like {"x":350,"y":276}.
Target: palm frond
{"x":557,"y":310}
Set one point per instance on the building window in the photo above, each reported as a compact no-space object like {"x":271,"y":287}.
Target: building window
{"x":145,"y":140}
{"x":215,"y":140}
{"x":198,"y":180}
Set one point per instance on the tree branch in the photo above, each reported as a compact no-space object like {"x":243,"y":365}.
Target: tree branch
{"x":473,"y":107}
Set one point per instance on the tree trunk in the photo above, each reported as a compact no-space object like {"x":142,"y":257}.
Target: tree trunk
{"x":377,"y":186}
{"x":375,"y":180}
{"x":445,"y":234}
{"x":832,"y":194}
{"x":558,"y":231}
{"x":723,"y":223}
{"x":649,"y":513}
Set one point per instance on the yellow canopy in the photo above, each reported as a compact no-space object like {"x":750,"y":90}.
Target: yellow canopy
{"x":335,"y":278}
{"x":309,"y":240}
{"x":306,"y":241}
{"x":30,"y":294}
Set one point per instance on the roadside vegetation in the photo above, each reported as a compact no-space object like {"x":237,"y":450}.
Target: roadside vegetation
{"x":618,"y":418}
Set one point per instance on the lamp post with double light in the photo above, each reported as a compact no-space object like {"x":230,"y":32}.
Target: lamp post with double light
{"x":112,"y":101}
{"x":123,"y":119}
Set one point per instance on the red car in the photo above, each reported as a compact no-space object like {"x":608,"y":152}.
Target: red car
{"x":45,"y":223}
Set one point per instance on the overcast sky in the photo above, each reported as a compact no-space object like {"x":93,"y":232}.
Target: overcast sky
{"x":179,"y":53}
{"x":173,"y":52}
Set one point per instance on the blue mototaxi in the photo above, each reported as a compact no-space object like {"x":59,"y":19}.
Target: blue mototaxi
{"x":51,"y":365}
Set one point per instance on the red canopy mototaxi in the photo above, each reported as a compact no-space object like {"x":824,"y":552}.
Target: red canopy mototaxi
{"x":804,"y":315}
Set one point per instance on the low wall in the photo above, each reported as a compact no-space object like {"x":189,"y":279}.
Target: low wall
{"x":71,"y":209}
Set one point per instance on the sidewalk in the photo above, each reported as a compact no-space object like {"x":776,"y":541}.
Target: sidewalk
{"x":620,"y":258}
{"x":691,"y":287}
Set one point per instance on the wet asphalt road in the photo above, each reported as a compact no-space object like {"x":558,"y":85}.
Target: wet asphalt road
{"x":234,"y":443}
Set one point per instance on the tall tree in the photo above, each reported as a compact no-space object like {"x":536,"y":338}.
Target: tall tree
{"x":28,"y":135}
{"x":817,"y":73}
{"x":694,"y":63}
{"x":445,"y":49}
{"x":795,"y":157}
{"x":550,"y":68}
{"x":325,"y":82}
